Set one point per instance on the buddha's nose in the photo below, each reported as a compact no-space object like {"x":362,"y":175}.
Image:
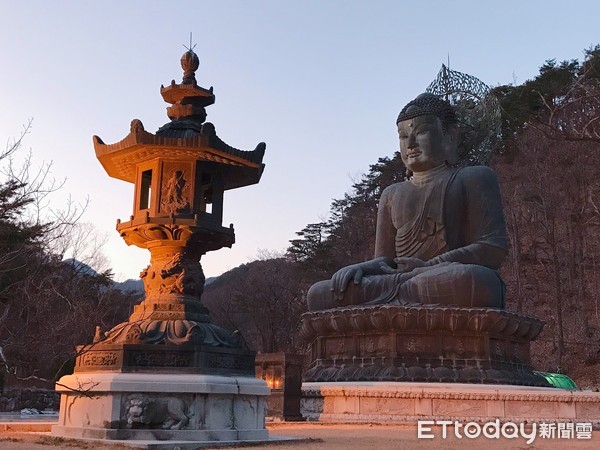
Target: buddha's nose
{"x":412,"y":142}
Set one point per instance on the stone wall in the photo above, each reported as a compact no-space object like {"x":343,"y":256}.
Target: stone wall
{"x":17,"y":399}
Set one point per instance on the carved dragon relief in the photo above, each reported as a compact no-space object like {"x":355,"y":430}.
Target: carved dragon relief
{"x":182,"y":275}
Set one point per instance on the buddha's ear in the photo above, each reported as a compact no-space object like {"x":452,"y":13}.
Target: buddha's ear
{"x":451,"y":141}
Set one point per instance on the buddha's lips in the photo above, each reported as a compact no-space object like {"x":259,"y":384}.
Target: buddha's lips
{"x":413,"y":154}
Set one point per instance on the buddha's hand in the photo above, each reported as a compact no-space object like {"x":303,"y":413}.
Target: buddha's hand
{"x":342,"y":278}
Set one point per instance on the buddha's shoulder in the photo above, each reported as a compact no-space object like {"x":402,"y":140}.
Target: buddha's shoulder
{"x":395,"y":188}
{"x":475,"y":174}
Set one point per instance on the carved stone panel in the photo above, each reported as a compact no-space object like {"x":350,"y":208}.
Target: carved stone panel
{"x":516,"y":408}
{"x":103,"y":359}
{"x":375,"y":345}
{"x":423,"y":345}
{"x":375,"y":405}
{"x":461,"y":407}
{"x":176,"y":188}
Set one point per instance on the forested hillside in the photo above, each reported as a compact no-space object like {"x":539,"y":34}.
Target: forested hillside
{"x":549,"y":172}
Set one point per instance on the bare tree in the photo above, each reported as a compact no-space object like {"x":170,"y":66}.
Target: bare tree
{"x":47,"y":306}
{"x":552,"y":219}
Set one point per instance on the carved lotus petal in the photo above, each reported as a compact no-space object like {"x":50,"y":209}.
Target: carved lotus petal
{"x":434,"y":319}
{"x":524,"y":327}
{"x":156,"y":233}
{"x":133,"y":237}
{"x":381,"y":319}
{"x":306,"y":329}
{"x":497,"y":376}
{"x":339,"y":321}
{"x":512,"y":326}
{"x":406,"y":319}
{"x":121,"y":333}
{"x":369,"y":373}
{"x":328,"y":374}
{"x":399,"y":320}
{"x":534,"y":330}
{"x":416,"y":373}
{"x":421,"y":316}
{"x":347,"y":373}
{"x":470,"y":375}
{"x":392,"y":373}
{"x":444,"y":374}
{"x":319,"y":324}
{"x":454,"y":321}
{"x":412,"y":318}
{"x":360,"y":321}
{"x":184,"y":233}
{"x":479,"y":322}
{"x":499,"y":324}
{"x":487,"y":322}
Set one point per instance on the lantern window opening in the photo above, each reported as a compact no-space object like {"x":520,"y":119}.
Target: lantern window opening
{"x":146,"y":189}
{"x":207,"y":192}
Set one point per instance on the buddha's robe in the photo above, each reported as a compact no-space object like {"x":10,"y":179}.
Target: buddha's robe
{"x":450,"y":218}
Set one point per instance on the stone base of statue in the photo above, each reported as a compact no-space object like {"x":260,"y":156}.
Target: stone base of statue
{"x":389,"y":402}
{"x":187,"y":409}
{"x":421,"y":343}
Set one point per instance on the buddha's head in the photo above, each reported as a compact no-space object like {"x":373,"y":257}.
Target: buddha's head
{"x":428,"y":132}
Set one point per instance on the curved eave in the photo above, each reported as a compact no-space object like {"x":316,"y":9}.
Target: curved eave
{"x":120,"y":159}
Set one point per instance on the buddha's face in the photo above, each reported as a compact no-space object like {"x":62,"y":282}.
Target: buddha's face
{"x":422,"y":143}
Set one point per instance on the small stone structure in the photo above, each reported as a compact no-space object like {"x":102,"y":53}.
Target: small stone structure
{"x":168,"y":373}
{"x":283,"y":374}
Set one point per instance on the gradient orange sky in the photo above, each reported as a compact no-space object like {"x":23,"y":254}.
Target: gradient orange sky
{"x":321,"y":82}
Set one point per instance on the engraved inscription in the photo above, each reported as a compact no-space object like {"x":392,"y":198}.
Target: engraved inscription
{"x":160,"y":359}
{"x":229,"y":362}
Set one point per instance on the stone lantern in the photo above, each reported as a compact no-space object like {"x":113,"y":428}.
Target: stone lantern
{"x":168,"y":372}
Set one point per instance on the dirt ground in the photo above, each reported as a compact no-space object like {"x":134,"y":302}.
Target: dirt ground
{"x":326,"y":437}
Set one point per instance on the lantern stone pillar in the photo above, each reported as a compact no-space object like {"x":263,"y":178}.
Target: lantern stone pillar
{"x":168,"y":373}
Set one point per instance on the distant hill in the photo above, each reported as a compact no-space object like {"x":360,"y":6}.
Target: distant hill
{"x":130,"y":286}
{"x":80,"y":268}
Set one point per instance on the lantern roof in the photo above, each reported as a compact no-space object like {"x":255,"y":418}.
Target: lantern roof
{"x":186,"y":136}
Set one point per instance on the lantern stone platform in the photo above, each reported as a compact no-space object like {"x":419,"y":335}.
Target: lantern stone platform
{"x":182,"y":407}
{"x":168,"y":373}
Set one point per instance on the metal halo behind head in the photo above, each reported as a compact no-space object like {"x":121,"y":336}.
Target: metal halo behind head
{"x":477,"y":111}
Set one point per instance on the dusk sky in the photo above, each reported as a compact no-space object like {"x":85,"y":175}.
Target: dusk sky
{"x":321,"y":82}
